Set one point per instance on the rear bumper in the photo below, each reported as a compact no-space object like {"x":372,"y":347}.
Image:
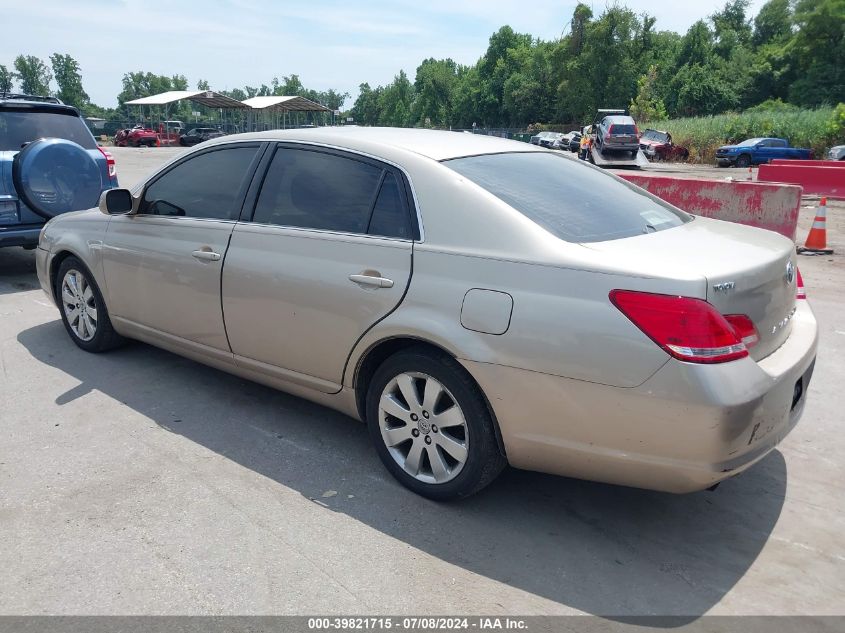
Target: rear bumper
{"x":20,"y":235}
{"x":685,"y":429}
{"x":621,"y":147}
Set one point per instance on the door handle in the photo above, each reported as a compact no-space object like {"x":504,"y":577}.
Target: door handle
{"x":373,"y":281}
{"x":209,"y":256}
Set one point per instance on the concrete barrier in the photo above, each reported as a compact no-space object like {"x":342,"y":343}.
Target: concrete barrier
{"x":809,"y":163}
{"x":767,"y":206}
{"x":822,"y":181}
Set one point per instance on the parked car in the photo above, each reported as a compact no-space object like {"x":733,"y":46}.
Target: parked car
{"x":554,"y":140}
{"x":836,"y":153}
{"x":658,"y":145}
{"x":575,"y":142}
{"x":617,"y":132}
{"x":538,"y":138}
{"x":138,"y":136}
{"x":169,"y":132}
{"x":49,"y":164}
{"x":756,"y":151}
{"x":421,"y":281}
{"x":198,"y":135}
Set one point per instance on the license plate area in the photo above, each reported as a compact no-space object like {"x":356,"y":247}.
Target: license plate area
{"x":800,"y":388}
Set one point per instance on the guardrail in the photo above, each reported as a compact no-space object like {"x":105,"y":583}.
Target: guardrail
{"x":766,"y":206}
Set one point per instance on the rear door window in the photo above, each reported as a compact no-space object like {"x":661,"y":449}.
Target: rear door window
{"x":325,"y":191}
{"x":21,"y":126}
{"x":574,"y":202}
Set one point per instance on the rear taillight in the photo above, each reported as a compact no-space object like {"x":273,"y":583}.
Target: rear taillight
{"x":636,"y":131}
{"x":689,"y":329}
{"x":744,"y":328}
{"x":110,"y":162}
{"x":610,"y":130}
{"x":800,"y":293}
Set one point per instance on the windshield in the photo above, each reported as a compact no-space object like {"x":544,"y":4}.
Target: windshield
{"x":654,"y":135}
{"x":749,"y":142}
{"x":19,"y":127}
{"x":573,"y":201}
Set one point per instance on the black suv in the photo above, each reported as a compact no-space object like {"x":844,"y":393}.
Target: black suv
{"x":49,"y":164}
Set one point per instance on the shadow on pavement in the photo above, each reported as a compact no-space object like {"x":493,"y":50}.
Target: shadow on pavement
{"x":605,"y":550}
{"x":17,"y":270}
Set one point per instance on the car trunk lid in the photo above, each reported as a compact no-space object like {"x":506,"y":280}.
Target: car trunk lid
{"x":747,"y":270}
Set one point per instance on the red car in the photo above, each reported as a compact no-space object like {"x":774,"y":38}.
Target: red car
{"x":136,"y":137}
{"x":658,"y":145}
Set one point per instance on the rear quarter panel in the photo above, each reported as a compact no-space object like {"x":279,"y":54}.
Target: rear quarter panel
{"x":562,"y":321}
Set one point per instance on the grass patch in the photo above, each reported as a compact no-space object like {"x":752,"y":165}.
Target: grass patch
{"x":818,"y":129}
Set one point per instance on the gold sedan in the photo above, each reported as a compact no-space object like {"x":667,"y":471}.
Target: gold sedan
{"x":476,"y":301}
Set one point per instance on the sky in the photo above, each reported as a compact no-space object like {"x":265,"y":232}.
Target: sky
{"x":328,"y":43}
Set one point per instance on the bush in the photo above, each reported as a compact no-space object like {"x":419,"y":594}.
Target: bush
{"x":817,"y":129}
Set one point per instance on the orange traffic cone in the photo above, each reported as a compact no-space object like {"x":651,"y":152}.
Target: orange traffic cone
{"x":750,"y":174}
{"x":816,"y":243}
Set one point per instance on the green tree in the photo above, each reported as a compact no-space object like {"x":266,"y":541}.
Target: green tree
{"x":696,"y":45}
{"x":473,"y":98}
{"x":731,"y":23}
{"x":434,"y":87}
{"x":367,"y":107}
{"x":495,"y":67}
{"x":202,"y":84}
{"x":140,"y":84}
{"x":33,"y":74}
{"x":818,"y":49}
{"x":7,"y":79}
{"x":578,"y":27}
{"x":69,"y":79}
{"x":647,"y":105}
{"x":605,"y":73}
{"x":773,"y":23}
{"x":395,"y":102}
{"x":698,"y":91}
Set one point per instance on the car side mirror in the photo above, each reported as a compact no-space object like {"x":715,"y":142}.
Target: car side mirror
{"x":116,"y":202}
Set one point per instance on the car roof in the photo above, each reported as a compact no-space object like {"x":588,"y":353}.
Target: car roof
{"x":435,"y":144}
{"x":37,"y":105}
{"x":620,"y":118}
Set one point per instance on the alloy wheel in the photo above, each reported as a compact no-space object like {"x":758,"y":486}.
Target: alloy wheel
{"x":79,"y":305}
{"x":423,"y":427}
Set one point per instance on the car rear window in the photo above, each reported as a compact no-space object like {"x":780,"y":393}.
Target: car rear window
{"x":622,"y":128}
{"x":573,"y":201}
{"x":21,"y":126}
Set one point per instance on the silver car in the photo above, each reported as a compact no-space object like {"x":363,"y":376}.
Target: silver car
{"x":836,"y":153}
{"x":422,"y":282}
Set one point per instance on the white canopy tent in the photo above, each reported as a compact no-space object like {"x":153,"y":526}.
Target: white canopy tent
{"x":208,"y":98}
{"x":274,"y":112}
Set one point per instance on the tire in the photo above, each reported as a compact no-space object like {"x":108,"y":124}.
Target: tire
{"x":743,"y":161}
{"x":463,"y":455}
{"x":83,"y":295}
